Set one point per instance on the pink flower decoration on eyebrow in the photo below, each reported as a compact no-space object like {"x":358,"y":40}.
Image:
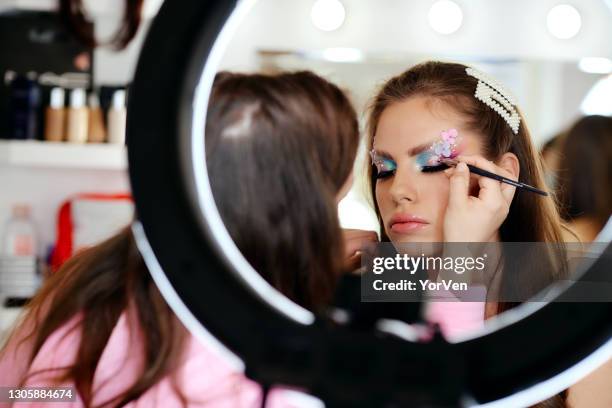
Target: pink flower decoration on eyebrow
{"x":446,"y":148}
{"x":449,"y":135}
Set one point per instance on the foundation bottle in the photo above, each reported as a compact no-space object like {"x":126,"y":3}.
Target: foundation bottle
{"x":78,"y":117}
{"x":97,"y":130}
{"x":117,"y":117}
{"x":55,"y":117}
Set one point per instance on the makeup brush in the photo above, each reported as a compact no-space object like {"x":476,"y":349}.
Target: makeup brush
{"x":484,"y":173}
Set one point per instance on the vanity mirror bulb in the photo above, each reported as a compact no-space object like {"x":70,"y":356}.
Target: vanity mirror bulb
{"x":328,"y":15}
{"x":563,"y":21}
{"x":445,"y":17}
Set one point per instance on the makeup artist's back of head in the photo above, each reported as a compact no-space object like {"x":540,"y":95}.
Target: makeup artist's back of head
{"x":585,"y":175}
{"x":279,"y":149}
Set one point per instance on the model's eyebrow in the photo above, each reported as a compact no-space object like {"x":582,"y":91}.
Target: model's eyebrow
{"x":419,"y":149}
{"x":412,"y":152}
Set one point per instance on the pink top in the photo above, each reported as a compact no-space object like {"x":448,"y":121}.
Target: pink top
{"x":205,"y":378}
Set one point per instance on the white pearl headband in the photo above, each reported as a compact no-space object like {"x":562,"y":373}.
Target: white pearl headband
{"x":493,"y":94}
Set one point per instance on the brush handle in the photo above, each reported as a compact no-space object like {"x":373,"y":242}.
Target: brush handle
{"x":517,"y":184}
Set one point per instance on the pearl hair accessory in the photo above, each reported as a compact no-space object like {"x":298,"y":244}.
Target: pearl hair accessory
{"x":493,"y":94}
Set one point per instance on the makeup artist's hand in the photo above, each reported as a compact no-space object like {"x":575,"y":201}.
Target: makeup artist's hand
{"x":354,"y":240}
{"x":476,"y":217}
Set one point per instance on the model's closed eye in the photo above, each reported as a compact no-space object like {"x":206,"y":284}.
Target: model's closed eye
{"x":384,"y":166}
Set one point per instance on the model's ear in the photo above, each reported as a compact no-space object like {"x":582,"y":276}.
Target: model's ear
{"x":510,"y":163}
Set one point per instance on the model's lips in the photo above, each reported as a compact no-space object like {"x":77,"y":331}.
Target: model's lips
{"x":406,"y":223}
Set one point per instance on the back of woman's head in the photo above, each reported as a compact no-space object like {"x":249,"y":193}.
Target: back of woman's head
{"x":279,"y":149}
{"x":531,"y":218}
{"x":585,"y":177}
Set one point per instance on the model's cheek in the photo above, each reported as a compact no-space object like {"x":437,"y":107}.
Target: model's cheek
{"x":437,"y":201}
{"x":382,"y":199}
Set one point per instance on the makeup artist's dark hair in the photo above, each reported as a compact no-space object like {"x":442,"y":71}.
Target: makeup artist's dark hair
{"x":585,"y":178}
{"x":279,"y":149}
{"x":531,"y":218}
{"x":74,"y":16}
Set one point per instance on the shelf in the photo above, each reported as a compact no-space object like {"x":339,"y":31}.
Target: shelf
{"x":62,"y":155}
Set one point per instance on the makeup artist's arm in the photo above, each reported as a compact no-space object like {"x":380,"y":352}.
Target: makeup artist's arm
{"x":475,"y":212}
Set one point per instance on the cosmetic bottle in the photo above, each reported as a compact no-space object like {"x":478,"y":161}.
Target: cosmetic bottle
{"x":24,"y":106}
{"x":19,"y":276}
{"x":78,"y":117}
{"x":19,"y":234}
{"x":55,"y":117}
{"x":97,"y":130}
{"x":117,"y":116}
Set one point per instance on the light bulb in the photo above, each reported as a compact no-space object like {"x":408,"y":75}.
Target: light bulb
{"x":328,"y":15}
{"x":445,"y":16}
{"x":563,"y":21}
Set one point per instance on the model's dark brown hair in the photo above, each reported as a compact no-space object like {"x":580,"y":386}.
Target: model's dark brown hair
{"x":531,"y":218}
{"x":279,"y":149}
{"x":585,"y":175}
{"x":74,"y":16}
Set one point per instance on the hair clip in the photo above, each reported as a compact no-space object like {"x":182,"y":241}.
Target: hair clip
{"x":493,"y":94}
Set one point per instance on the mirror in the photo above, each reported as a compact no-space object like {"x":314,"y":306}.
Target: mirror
{"x":358,"y":46}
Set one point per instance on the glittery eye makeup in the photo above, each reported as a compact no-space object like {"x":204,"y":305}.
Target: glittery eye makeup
{"x":385,"y":166}
{"x":430,"y":160}
{"x":446,"y":148}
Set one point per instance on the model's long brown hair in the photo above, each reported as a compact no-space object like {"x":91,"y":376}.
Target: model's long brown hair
{"x":280,"y":148}
{"x":585,"y":177}
{"x":531,"y":218}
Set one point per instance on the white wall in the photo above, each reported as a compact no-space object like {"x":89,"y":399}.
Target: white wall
{"x":491,"y":28}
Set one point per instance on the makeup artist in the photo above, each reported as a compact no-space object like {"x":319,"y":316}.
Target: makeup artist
{"x":280,"y":150}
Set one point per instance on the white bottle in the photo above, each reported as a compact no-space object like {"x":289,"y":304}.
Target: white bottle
{"x":117,"y":118}
{"x":19,"y":276}
{"x":78,"y":117}
{"x":19,"y":237}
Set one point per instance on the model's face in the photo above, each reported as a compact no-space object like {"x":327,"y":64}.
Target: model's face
{"x":412,"y":203}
